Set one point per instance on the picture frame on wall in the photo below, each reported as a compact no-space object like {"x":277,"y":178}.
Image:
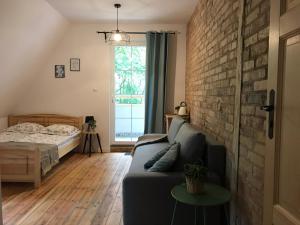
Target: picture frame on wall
{"x":59,"y":71}
{"x":74,"y":64}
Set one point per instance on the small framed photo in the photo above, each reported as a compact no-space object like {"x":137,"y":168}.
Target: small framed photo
{"x":59,"y":71}
{"x":74,"y":64}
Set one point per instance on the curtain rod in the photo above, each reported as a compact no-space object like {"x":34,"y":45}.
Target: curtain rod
{"x":108,"y":32}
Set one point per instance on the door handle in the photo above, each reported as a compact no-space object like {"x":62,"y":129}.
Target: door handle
{"x":267,"y":108}
{"x":270,"y":109}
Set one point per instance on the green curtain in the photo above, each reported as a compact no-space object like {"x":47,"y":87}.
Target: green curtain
{"x":156,"y":72}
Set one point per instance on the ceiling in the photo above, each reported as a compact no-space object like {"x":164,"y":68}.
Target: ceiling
{"x":134,"y":11}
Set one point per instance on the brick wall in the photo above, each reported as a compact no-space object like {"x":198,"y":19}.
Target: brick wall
{"x":211,"y":67}
{"x":210,"y":88}
{"x":253,"y":124}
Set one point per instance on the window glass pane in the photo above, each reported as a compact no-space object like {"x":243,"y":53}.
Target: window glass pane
{"x":129,"y":92}
{"x":138,"y":82}
{"x":123,"y":84}
{"x":122,"y":58}
{"x":138,"y":111}
{"x":137,"y":127}
{"x":138,"y":58}
{"x":123,"y":111}
{"x":123,"y":129}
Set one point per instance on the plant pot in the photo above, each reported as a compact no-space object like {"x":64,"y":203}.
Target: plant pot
{"x":194,"y":186}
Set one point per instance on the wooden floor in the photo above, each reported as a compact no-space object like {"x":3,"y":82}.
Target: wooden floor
{"x":80,"y":190}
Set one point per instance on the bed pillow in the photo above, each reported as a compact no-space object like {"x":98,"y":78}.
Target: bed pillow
{"x":29,"y":128}
{"x":60,"y":129}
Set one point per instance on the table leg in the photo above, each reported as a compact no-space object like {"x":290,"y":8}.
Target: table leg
{"x":226,"y":214}
{"x":86,"y":137}
{"x":90,"y":150}
{"x":195,"y":215}
{"x":204,"y":215}
{"x":174,"y":211}
{"x":99,"y":142}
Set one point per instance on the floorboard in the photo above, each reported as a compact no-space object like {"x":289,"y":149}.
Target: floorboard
{"x":80,"y":190}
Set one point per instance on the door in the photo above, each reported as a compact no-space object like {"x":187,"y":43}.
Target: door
{"x":282,"y":168}
{"x":1,"y":222}
{"x":128,"y":93}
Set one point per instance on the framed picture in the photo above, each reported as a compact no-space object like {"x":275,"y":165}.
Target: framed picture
{"x":74,"y":64}
{"x":59,"y":71}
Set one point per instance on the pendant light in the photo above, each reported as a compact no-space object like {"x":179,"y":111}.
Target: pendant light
{"x":117,"y":37}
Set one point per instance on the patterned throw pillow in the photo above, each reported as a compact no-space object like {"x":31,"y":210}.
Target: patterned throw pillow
{"x":166,"y":162}
{"x":60,"y":129}
{"x":29,"y":128}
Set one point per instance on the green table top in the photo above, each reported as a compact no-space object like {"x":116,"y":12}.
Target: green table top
{"x":213,"y":195}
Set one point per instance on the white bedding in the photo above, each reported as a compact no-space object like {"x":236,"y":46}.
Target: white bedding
{"x":37,"y":138}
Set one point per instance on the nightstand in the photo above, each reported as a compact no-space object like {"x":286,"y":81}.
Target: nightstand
{"x":89,"y":135}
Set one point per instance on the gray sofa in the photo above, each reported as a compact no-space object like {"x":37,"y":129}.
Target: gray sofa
{"x":146,"y":195}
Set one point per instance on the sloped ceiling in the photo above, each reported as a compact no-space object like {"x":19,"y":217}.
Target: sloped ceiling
{"x":132,"y":11}
{"x":29,"y":31}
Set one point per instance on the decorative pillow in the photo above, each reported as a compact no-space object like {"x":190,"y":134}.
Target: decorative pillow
{"x":192,"y":145}
{"x":60,"y":129}
{"x":156,"y":157}
{"x":176,"y":123}
{"x":29,"y":128}
{"x":166,"y":162}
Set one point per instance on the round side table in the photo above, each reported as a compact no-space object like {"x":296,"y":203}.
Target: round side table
{"x":213,"y":195}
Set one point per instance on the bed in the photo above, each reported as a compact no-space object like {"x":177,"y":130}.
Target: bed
{"x":21,"y":155}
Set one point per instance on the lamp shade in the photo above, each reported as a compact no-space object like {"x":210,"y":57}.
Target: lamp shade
{"x":117,"y":37}
{"x":89,"y":119}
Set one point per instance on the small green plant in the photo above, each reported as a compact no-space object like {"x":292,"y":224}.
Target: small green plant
{"x":195,"y":171}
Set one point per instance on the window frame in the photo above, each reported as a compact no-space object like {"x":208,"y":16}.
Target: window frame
{"x":112,"y":107}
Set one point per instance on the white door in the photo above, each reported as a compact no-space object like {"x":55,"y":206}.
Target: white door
{"x":128,"y":102}
{"x":282,"y":172}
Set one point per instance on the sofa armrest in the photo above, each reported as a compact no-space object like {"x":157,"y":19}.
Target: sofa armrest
{"x":149,"y":190}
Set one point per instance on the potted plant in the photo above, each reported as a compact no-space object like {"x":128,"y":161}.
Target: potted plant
{"x":195,"y":175}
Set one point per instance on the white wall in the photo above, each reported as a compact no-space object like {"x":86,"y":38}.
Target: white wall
{"x":29,"y":30}
{"x":88,"y":92}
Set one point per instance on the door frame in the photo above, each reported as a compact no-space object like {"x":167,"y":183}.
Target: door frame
{"x":136,"y":42}
{"x":280,"y":30}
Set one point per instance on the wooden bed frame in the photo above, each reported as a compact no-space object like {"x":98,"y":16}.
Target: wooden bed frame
{"x":24,"y":165}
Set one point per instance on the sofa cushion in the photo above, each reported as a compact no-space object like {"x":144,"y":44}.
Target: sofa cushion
{"x":166,"y":162}
{"x":192,"y":146}
{"x":143,"y":154}
{"x":176,"y":123}
{"x":155,"y":158}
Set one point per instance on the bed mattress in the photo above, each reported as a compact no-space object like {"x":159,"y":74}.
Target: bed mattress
{"x":57,"y":140}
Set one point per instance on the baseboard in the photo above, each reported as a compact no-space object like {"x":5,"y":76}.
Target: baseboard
{"x":121,"y":148}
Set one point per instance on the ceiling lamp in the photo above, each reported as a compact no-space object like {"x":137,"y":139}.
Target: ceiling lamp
{"x":116,"y":37}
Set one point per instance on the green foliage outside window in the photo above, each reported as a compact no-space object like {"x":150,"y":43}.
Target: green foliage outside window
{"x":129,"y":74}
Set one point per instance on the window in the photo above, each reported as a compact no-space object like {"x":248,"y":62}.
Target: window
{"x":129,"y":91}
